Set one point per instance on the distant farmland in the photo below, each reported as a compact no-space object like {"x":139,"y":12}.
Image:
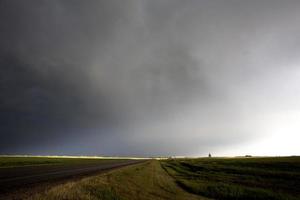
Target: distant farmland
{"x":23,"y":161}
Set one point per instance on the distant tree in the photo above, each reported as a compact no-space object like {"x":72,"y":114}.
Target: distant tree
{"x":209,"y":155}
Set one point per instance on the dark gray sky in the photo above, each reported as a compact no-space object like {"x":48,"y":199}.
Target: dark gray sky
{"x":150,"y":77}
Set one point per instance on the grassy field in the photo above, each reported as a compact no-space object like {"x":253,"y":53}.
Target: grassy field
{"x":15,"y":161}
{"x":274,"y":178}
{"x":238,"y":178}
{"x":145,"y":181}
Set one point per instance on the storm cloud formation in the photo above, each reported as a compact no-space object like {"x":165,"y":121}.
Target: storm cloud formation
{"x":149,"y":77}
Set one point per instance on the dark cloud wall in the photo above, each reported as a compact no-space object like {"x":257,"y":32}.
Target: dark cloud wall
{"x":145,"y":77}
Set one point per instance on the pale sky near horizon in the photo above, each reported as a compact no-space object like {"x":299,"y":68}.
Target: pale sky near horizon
{"x":150,"y":77}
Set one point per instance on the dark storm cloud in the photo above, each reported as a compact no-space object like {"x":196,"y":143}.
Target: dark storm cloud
{"x":144,"y":77}
{"x":45,"y":86}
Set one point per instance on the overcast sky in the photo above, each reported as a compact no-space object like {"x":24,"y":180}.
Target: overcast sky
{"x":150,"y":77}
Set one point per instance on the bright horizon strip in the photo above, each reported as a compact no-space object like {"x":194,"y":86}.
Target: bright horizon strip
{"x":281,"y":138}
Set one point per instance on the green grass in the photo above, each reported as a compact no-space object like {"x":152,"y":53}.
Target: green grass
{"x":275,"y":178}
{"x":14,"y":161}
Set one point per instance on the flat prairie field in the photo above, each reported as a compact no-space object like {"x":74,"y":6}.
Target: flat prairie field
{"x":257,"y":178}
{"x":254,"y":178}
